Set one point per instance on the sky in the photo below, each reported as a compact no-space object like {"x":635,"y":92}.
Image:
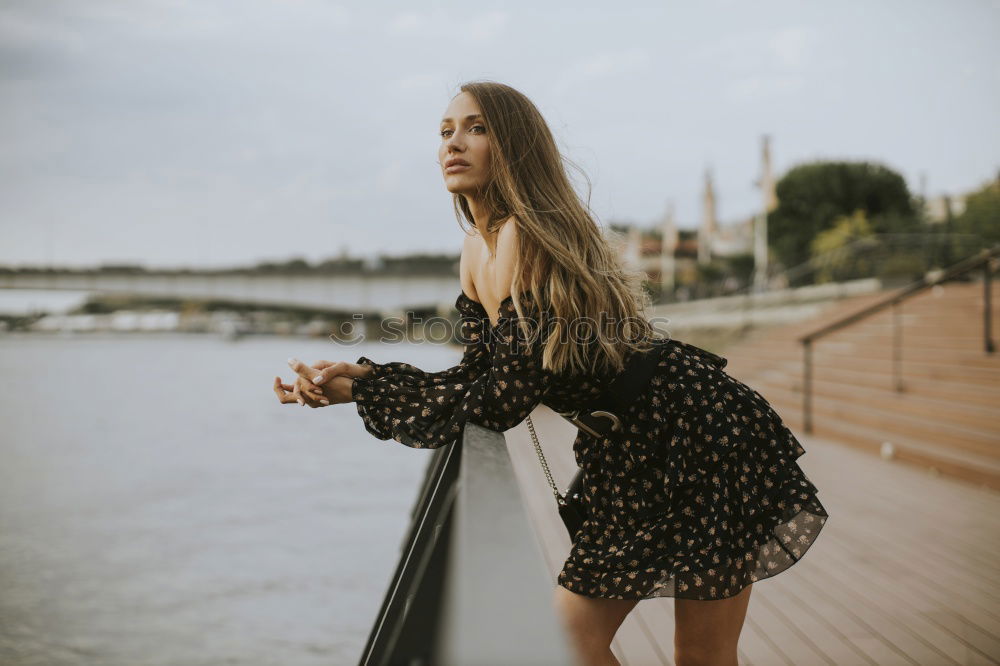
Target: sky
{"x":215,"y":134}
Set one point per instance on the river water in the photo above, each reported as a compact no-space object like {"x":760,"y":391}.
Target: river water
{"x":159,"y":506}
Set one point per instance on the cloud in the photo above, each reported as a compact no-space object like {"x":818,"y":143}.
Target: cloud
{"x":421,"y":81}
{"x":788,"y":47}
{"x":755,"y":65}
{"x":440,"y":24}
{"x":406,"y":23}
{"x":757,"y":86}
{"x":603,"y":65}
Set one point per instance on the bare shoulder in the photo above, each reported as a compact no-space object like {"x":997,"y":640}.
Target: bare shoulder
{"x":506,"y":255}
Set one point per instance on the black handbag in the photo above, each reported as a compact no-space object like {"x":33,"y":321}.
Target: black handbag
{"x":599,"y":423}
{"x":571,"y":505}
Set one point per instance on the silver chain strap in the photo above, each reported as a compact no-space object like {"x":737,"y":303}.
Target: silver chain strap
{"x":541,"y":457}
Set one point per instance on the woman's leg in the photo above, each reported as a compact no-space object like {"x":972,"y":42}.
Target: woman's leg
{"x":591,"y":624}
{"x":706,"y":632}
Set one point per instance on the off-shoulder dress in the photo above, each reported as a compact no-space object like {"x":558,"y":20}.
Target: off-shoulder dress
{"x":700,"y":497}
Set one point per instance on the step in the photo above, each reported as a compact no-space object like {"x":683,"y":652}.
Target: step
{"x":880,"y":418}
{"x":980,"y":470}
{"x":975,"y":358}
{"x":964,"y":340}
{"x":987,"y":374}
{"x":960,"y":413}
{"x":953,"y":330}
{"x":984,"y":396}
{"x":967,"y":338}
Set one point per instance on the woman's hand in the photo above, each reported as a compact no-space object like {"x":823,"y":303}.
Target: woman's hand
{"x":336,"y":391}
{"x":323,"y":383}
{"x":289,"y":393}
{"x":329,"y":369}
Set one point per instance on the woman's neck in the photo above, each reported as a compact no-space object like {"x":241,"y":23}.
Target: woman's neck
{"x":480,"y":218}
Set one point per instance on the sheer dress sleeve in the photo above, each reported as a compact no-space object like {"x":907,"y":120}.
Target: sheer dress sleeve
{"x":497,"y":384}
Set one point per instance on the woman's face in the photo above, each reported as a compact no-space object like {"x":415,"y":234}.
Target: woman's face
{"x":464,"y":151}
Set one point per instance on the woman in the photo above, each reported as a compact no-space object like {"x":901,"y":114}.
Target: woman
{"x":698,"y":499}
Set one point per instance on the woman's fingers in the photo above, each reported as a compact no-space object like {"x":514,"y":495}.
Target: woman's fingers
{"x":288,"y":393}
{"x":298,"y":395}
{"x":306,"y":374}
{"x":300,"y":368}
{"x":341,"y":369}
{"x":332,"y":370}
{"x":280,"y":390}
{"x":313,"y":395}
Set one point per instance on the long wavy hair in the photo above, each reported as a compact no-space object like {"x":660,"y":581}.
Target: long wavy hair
{"x":596,"y":307}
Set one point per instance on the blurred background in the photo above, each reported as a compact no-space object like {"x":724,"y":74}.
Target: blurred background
{"x":193,"y":192}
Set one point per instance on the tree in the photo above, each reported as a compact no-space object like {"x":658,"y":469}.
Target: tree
{"x":828,"y":245}
{"x":811,"y":197}
{"x":982,"y":214}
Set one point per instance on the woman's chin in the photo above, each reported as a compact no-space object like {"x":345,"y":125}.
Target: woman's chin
{"x":458,"y":188}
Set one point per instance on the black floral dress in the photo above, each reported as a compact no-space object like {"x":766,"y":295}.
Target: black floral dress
{"x":701,"y":497}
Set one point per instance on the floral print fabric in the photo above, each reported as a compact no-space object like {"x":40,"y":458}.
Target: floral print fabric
{"x":700,"y":496}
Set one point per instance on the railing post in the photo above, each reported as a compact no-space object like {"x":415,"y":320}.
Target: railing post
{"x":807,"y":387}
{"x":988,"y":306}
{"x":897,"y":346}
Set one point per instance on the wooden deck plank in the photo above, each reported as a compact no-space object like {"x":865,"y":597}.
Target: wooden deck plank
{"x":884,"y":618}
{"x":926,"y":592}
{"x":881,"y":499}
{"x":794,"y":643}
{"x":984,"y":645}
{"x":969,"y":523}
{"x":865,"y":640}
{"x":895,"y":536}
{"x":905,"y":572}
{"x":823,"y":630}
{"x":951,"y":533}
{"x":916,"y":562}
{"x":917,"y":569}
{"x":909,"y":608}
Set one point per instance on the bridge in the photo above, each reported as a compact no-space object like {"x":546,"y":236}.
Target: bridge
{"x":357,"y":291}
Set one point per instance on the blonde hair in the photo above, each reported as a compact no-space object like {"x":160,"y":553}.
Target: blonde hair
{"x":562,"y":250}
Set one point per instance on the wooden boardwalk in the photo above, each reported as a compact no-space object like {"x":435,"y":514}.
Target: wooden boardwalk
{"x":906,"y":570}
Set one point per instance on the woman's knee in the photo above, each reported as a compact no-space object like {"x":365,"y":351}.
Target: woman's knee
{"x":705,"y":655}
{"x":592,"y":620}
{"x":707,"y":632}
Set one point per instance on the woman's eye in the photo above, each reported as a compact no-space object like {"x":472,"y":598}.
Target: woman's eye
{"x":446,"y":131}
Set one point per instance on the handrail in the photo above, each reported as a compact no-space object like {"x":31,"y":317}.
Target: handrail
{"x":985,"y":259}
{"x":471,"y":584}
{"x":410,"y":608}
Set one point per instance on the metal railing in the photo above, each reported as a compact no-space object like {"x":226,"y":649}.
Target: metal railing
{"x":883,"y":256}
{"x":985,"y":259}
{"x":471,"y":586}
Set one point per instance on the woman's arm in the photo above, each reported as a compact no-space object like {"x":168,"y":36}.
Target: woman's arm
{"x":423,"y":411}
{"x":427,"y":411}
{"x":471,"y":329}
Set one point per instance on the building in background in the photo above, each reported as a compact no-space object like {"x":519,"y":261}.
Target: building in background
{"x":670,"y":256}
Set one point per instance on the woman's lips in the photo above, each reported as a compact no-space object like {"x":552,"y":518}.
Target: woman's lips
{"x":454,"y":168}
